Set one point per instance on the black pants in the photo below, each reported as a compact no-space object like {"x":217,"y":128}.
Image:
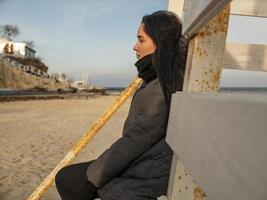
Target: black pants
{"x":69,"y":182}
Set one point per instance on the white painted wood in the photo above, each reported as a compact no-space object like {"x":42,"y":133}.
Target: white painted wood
{"x":245,"y":57}
{"x":205,"y":55}
{"x":222,"y":141}
{"x":256,"y":8}
{"x":184,"y":186}
{"x":238,"y":7}
{"x":204,"y":64}
{"x":198,"y":13}
{"x":203,"y":72}
{"x":176,"y":6}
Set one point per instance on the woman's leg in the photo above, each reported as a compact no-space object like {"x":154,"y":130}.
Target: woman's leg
{"x":70,"y":182}
{"x":128,"y":189}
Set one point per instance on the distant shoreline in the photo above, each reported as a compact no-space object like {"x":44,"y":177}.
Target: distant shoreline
{"x":244,"y":89}
{"x":118,"y":90}
{"x":222,"y":89}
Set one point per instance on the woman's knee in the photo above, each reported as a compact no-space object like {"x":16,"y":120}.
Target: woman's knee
{"x":63,"y":174}
{"x":72,"y":175}
{"x":60,"y":175}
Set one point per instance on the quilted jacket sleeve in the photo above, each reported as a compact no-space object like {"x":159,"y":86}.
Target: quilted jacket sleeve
{"x":145,"y":126}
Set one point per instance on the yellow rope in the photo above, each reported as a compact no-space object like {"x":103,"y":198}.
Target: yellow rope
{"x":87,"y":137}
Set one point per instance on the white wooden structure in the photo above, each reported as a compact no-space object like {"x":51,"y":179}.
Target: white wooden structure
{"x":208,"y":53}
{"x":222,"y":141}
{"x":16,"y":49}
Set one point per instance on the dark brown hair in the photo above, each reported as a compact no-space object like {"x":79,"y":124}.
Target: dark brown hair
{"x":164,"y":28}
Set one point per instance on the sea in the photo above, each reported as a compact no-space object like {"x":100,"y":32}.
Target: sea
{"x":254,"y":90}
{"x":118,"y":90}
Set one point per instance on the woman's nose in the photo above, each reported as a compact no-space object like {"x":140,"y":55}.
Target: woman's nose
{"x":135,"y":47}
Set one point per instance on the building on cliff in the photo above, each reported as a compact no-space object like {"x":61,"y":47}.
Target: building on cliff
{"x":17,"y":49}
{"x":22,"y":57}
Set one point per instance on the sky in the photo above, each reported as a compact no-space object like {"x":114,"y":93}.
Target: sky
{"x":93,"y":40}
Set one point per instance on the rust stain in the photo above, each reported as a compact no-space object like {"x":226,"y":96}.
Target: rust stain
{"x":199,"y":194}
{"x":204,"y":66}
{"x":217,"y":75}
{"x":218,"y":24}
{"x":201,"y":52}
{"x":209,"y":80}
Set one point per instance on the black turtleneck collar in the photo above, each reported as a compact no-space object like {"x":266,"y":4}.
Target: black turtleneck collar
{"x":145,"y":69}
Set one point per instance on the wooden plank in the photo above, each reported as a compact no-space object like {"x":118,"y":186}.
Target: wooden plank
{"x":205,"y":55}
{"x":245,"y":57}
{"x":176,"y":6}
{"x":198,"y":13}
{"x":204,"y":65}
{"x":222,"y":141}
{"x":257,"y":8}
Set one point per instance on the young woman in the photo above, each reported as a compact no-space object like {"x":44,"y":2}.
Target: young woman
{"x":137,"y":165}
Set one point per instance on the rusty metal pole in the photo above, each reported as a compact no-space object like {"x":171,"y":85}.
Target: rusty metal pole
{"x":87,"y":137}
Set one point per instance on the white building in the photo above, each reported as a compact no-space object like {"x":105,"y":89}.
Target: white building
{"x":16,"y":49}
{"x":80,"y":85}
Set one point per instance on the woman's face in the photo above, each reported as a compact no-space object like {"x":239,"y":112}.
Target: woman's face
{"x":144,"y":44}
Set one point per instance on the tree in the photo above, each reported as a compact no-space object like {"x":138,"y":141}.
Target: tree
{"x":29,"y":43}
{"x":9,"y":31}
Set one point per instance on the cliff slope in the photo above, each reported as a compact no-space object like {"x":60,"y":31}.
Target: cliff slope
{"x":15,"y":79}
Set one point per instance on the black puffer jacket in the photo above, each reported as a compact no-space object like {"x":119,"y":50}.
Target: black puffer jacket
{"x":137,"y":165}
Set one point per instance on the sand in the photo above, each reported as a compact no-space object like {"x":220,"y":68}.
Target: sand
{"x":35,"y":136}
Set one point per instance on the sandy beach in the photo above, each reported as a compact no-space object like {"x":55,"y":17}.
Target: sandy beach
{"x":35,"y":136}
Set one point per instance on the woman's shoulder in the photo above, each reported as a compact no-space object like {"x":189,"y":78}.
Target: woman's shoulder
{"x":152,"y":88}
{"x":149,"y":99}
